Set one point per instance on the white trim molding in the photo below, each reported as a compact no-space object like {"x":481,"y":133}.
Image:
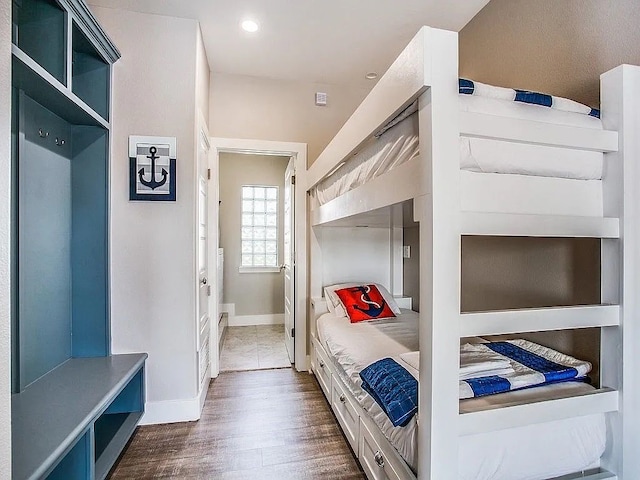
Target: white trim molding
{"x":259,"y":269}
{"x":172,"y":411}
{"x":298,"y":151}
{"x":230,"y":310}
{"x":246,"y":320}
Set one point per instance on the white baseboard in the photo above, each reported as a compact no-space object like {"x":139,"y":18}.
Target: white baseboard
{"x":172,"y":411}
{"x":245,"y":320}
{"x":308,"y":363}
{"x":230,"y":310}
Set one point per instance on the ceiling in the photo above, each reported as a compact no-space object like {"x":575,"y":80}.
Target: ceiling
{"x":330,"y":41}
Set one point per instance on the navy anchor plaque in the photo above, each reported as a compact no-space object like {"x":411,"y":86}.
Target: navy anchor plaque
{"x":152,"y":168}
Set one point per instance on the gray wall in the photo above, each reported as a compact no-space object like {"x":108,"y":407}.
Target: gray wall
{"x":5,"y":219}
{"x":252,"y":293}
{"x":555,"y":46}
{"x":520,"y":272}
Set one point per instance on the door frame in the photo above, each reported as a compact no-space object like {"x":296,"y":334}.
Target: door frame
{"x":203,"y":134}
{"x":266,"y":147}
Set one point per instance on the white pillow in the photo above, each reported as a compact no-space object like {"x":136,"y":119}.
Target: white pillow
{"x":335,"y":305}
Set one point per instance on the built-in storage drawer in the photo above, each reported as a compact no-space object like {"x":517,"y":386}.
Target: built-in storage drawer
{"x":375,"y":463}
{"x":346,"y":413}
{"x":323,"y":374}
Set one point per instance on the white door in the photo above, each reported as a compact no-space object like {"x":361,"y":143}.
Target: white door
{"x":204,"y":287}
{"x":289,"y":260}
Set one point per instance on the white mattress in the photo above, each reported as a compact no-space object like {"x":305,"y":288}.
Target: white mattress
{"x":525,"y":453}
{"x":401,"y":143}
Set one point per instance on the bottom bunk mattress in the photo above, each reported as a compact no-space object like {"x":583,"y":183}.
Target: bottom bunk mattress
{"x":524,"y":453}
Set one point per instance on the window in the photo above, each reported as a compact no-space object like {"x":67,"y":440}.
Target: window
{"x":259,"y":226}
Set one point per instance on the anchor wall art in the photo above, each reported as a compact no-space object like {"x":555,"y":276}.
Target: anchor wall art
{"x":152,"y":168}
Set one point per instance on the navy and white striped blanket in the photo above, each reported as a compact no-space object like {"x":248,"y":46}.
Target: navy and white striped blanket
{"x":470,"y":87}
{"x":396,"y":390}
{"x":532,"y":365}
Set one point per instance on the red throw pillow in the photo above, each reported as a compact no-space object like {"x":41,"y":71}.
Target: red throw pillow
{"x":364,"y":302}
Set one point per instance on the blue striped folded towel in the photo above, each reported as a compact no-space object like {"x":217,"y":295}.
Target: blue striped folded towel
{"x":471,"y":87}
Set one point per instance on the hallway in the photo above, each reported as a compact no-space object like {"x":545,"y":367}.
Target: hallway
{"x":267,"y":424}
{"x":254,"y":347}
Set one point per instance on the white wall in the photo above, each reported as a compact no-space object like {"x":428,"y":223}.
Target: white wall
{"x":153,"y":295}
{"x":5,"y":222}
{"x":272,"y":109}
{"x":252,"y":293}
{"x":411,"y":267}
{"x":202,"y":77}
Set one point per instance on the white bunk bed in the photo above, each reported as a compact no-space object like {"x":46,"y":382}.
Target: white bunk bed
{"x":449,"y":203}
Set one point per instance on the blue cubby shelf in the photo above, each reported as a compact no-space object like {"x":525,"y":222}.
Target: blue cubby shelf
{"x":74,"y":422}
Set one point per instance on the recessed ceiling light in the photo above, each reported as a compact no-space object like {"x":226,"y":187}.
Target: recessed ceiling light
{"x":371,"y":76}
{"x":250,"y":26}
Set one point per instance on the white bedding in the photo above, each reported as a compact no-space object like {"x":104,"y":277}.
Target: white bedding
{"x":565,"y":446}
{"x":400,"y":144}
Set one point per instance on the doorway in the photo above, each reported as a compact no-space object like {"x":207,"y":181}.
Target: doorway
{"x":251,"y":220}
{"x":261,"y":235}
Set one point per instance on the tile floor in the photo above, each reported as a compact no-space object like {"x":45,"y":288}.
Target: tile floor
{"x":253,"y":348}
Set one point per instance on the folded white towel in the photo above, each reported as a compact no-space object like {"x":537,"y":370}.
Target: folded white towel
{"x":476,"y":360}
{"x":502,"y":372}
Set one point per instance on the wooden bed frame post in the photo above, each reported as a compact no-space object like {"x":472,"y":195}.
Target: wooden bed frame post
{"x":438,"y":213}
{"x":620,"y":359}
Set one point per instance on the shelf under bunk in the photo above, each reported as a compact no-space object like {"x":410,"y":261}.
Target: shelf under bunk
{"x":601,"y":400}
{"x":490,"y":203}
{"x":515,"y":225}
{"x":498,"y":322}
{"x":379,"y":192}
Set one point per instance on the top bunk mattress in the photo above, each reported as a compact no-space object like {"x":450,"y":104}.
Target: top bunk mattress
{"x":399,"y":143}
{"x":567,"y":445}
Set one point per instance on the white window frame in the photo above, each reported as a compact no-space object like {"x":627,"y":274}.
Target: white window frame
{"x":261,"y":269}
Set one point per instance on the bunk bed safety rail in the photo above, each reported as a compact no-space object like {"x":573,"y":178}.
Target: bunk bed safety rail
{"x":531,"y":132}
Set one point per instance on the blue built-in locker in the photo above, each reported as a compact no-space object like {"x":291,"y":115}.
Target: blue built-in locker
{"x":62,"y":241}
{"x":74,"y":405}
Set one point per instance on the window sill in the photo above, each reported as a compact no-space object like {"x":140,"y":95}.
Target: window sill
{"x":258,"y":269}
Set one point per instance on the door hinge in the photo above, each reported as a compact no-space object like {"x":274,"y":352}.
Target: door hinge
{"x":208,"y":290}
{"x":293,"y":332}
{"x":208,"y":174}
{"x":293,"y":179}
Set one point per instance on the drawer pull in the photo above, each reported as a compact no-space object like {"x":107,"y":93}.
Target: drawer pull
{"x":342,"y":398}
{"x":321,"y":364}
{"x":379,"y":459}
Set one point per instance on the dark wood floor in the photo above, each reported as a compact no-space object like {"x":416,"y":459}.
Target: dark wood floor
{"x":267,"y":424}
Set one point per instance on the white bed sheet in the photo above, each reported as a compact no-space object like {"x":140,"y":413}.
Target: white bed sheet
{"x":401,"y":143}
{"x":525,"y":453}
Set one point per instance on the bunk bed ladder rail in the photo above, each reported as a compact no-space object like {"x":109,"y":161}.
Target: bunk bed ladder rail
{"x":620,"y":102}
